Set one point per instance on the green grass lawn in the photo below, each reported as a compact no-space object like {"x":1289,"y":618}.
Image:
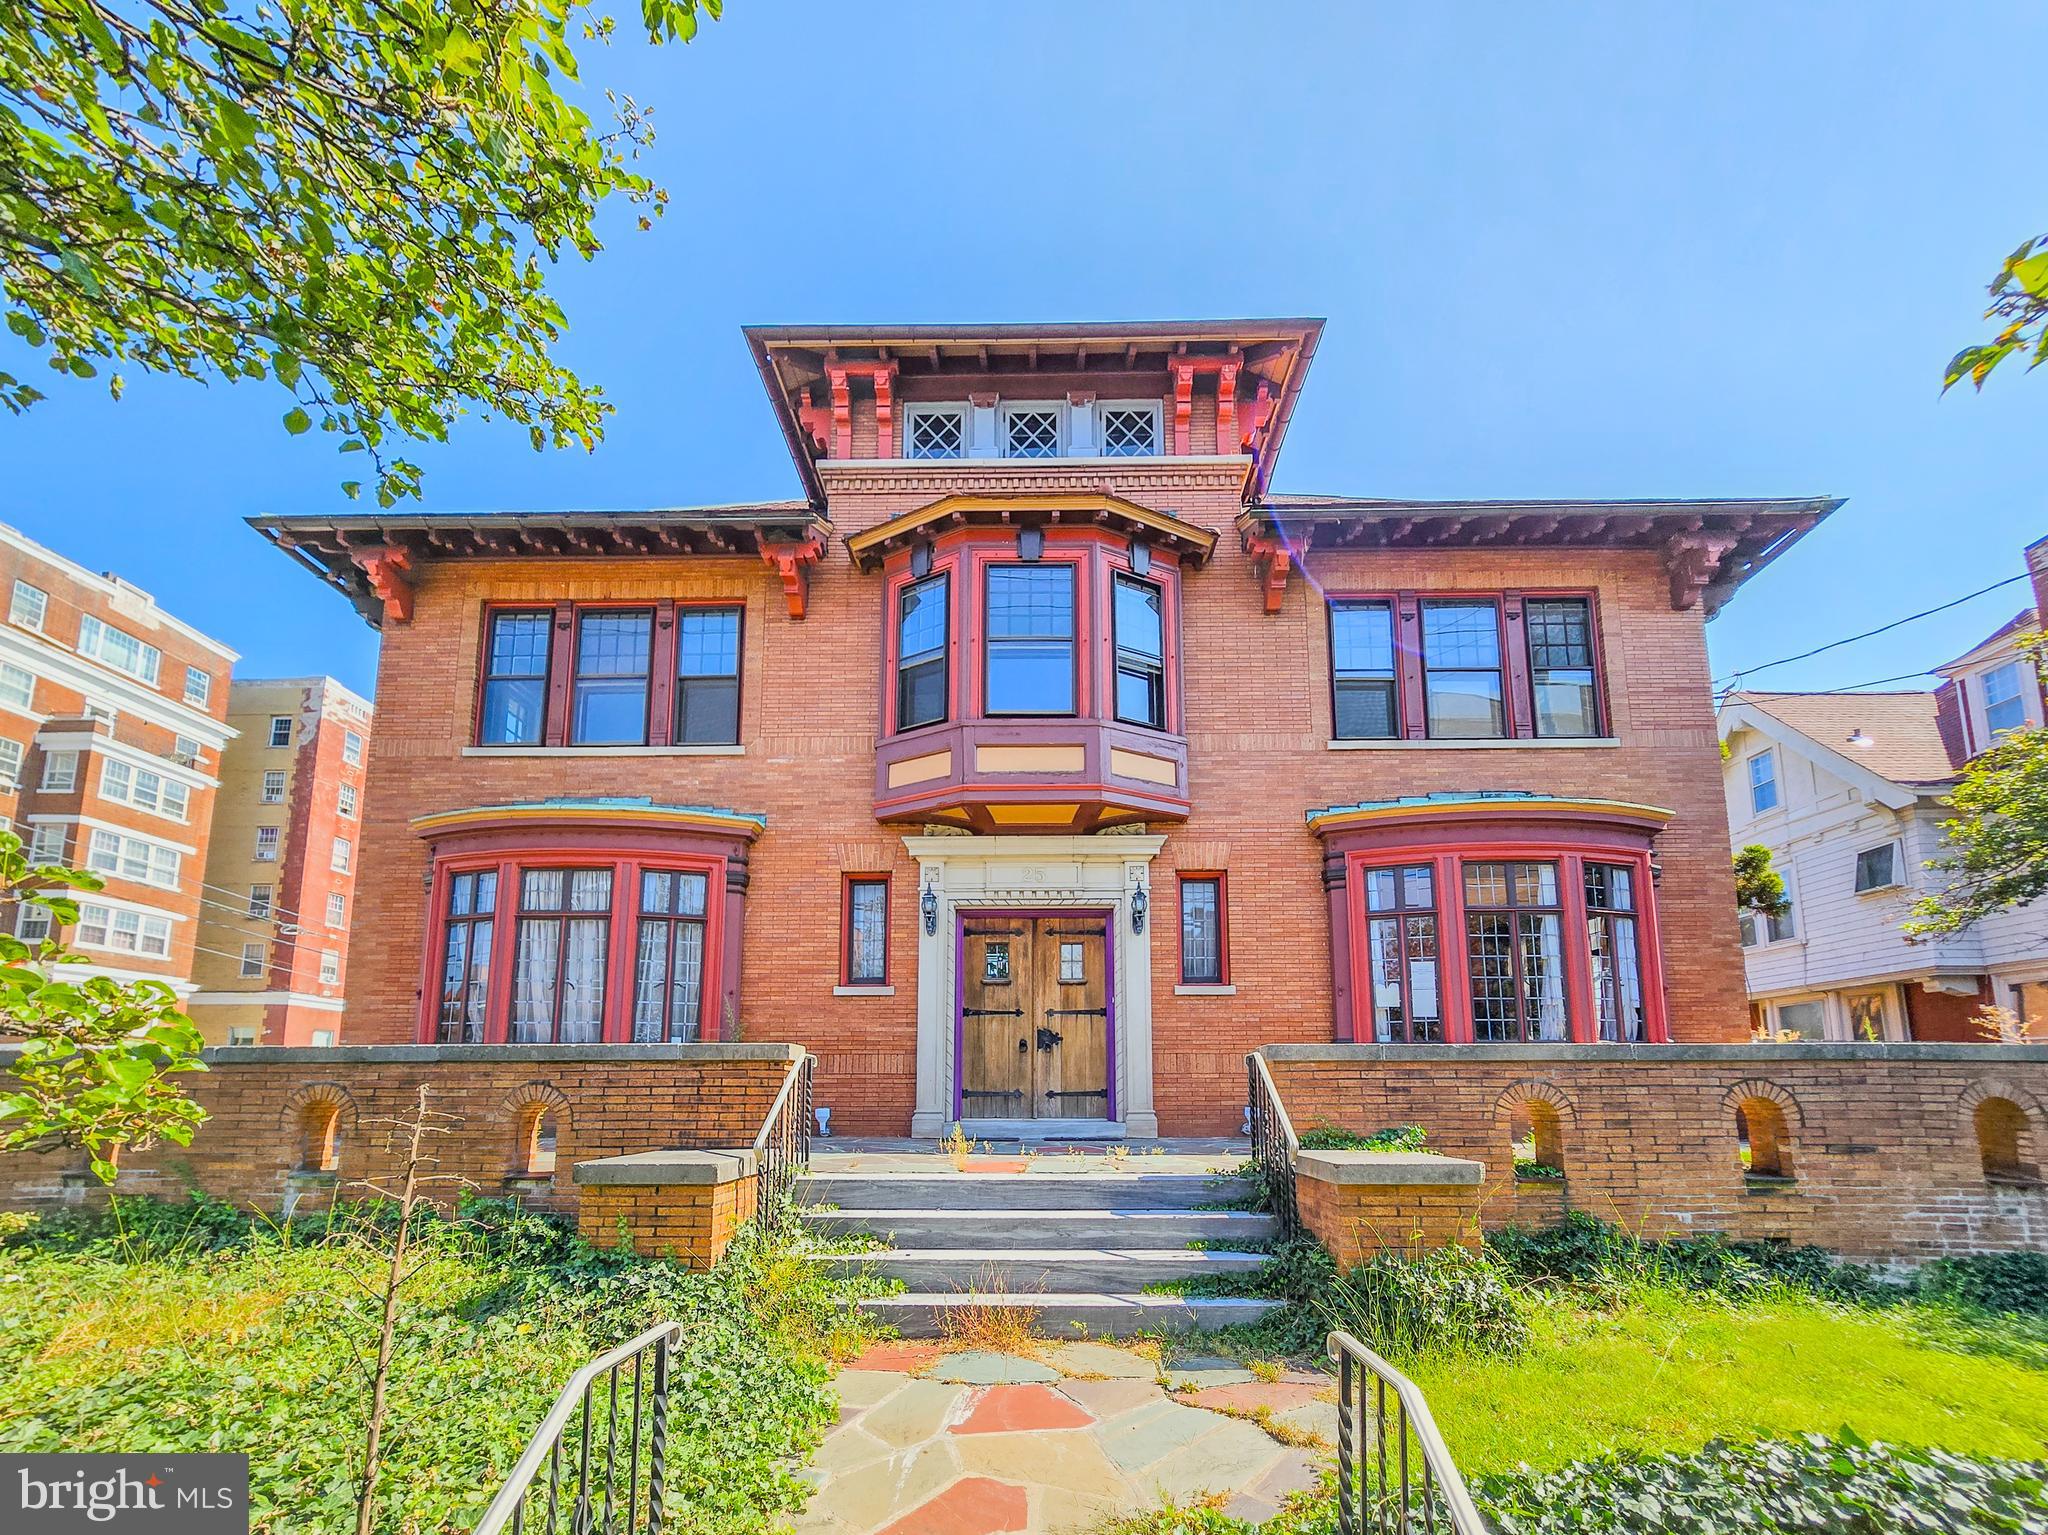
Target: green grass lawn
{"x":1668,"y":1370}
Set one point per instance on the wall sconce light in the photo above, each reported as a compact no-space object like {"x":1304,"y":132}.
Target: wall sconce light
{"x":1030,"y":544}
{"x":1140,"y":903}
{"x":921,"y":560}
{"x":1141,"y":557}
{"x":928,"y":903}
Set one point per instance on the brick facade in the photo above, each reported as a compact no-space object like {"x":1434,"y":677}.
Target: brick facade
{"x":1880,"y":1143}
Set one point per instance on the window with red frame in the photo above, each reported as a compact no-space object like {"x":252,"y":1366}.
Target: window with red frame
{"x":1204,"y":931}
{"x":921,"y":640}
{"x":1401,"y":944}
{"x":558,"y":977}
{"x":1028,"y":622}
{"x":867,"y":931}
{"x":1465,"y":667}
{"x":1514,"y":952}
{"x":1616,"y":953}
{"x":466,"y":957}
{"x":668,"y":966}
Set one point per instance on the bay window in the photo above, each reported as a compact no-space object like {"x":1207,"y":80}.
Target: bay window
{"x":1029,"y":620}
{"x":559,"y":973}
{"x":1494,"y":918}
{"x":1140,"y":637}
{"x":608,"y":694}
{"x":921,"y":633}
{"x":668,"y":971}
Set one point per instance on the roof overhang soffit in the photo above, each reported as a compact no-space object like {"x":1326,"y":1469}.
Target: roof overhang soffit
{"x":1188,"y":541}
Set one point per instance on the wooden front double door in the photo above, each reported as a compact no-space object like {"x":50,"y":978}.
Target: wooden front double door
{"x":1034,"y":1018}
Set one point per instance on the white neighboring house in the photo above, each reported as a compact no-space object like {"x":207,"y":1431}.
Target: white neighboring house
{"x":1846,"y":790}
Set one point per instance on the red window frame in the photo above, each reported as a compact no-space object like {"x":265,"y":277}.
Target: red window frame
{"x":625,"y":864}
{"x":564,"y":639}
{"x":1448,"y":856}
{"x":1221,"y":880}
{"x":1518,"y":703}
{"x":846,"y":975}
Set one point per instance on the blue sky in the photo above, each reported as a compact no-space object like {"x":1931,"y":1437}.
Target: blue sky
{"x":1626,"y":250}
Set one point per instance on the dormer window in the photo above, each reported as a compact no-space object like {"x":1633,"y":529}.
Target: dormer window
{"x":935,"y":431}
{"x":2005,"y":699}
{"x":1031,"y":431}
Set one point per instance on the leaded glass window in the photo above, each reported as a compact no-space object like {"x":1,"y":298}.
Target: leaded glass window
{"x":515,"y":680}
{"x":668,"y":965}
{"x":1514,"y":952}
{"x":1461,"y":670}
{"x":1032,"y":432}
{"x":559,"y":974}
{"x":609,"y":706}
{"x":867,"y":932}
{"x":707,"y":677}
{"x":1128,"y":433}
{"x":1403,"y":959}
{"x":1561,"y":665}
{"x":936,"y":434}
{"x":1617,"y":962}
{"x":1201,"y":930}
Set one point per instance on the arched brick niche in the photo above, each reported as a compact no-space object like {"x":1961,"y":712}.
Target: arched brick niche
{"x":1496,"y":918}
{"x":584,"y":921}
{"x":1765,"y":1119}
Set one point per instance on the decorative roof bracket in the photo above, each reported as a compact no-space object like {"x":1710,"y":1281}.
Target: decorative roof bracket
{"x":1271,"y":561}
{"x":1693,"y":560}
{"x":389,"y":570}
{"x":792,"y":559}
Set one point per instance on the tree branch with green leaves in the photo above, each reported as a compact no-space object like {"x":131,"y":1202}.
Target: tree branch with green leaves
{"x":2019,"y":303}
{"x":96,"y":1056}
{"x":357,"y":199}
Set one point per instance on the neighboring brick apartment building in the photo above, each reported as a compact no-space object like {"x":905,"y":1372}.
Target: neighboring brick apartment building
{"x":283,"y":866}
{"x":112,"y":721}
{"x":1847,"y":790}
{"x":1038,"y":760}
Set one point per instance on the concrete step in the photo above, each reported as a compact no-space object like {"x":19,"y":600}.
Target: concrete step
{"x":1019,"y":1191}
{"x":1111,"y":1315}
{"x":1126,"y":1229}
{"x":1044,"y":1271}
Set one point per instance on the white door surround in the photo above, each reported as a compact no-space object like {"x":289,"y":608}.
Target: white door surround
{"x":1103,"y":872}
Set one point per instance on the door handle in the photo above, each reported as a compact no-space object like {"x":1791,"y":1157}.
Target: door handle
{"x":1024,"y":1044}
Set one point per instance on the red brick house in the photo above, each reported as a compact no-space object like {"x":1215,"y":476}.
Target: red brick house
{"x":1038,"y":760}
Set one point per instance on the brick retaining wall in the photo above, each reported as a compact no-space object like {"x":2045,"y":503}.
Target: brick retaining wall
{"x":607,"y":1100}
{"x":1880,"y":1141}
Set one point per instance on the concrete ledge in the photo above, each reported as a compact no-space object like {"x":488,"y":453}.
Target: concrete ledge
{"x":1387,"y":1168}
{"x":1747,"y":1054}
{"x":427,"y":1055}
{"x":657,"y":1168}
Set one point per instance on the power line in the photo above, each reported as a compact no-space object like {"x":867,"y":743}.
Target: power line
{"x":1876,"y":682}
{"x":1750,"y":671}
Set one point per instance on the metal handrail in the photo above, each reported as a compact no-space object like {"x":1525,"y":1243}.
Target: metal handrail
{"x":1274,"y":1143}
{"x":1389,"y":1506}
{"x":508,"y":1509}
{"x":783,"y":1146}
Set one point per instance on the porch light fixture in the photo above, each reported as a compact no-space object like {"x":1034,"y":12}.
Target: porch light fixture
{"x":1140,"y":902}
{"x":928,"y":903}
{"x":1141,"y":557}
{"x":1030,"y":544}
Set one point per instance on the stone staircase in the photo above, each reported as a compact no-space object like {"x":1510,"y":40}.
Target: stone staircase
{"x":1077,"y":1247}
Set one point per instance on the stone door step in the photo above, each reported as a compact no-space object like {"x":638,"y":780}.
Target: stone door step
{"x":1122,"y":1229}
{"x":1065,"y":1317}
{"x":1012,"y":1191}
{"x":1045,"y":1272}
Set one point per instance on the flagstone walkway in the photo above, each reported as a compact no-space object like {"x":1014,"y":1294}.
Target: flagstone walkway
{"x":937,"y":1443}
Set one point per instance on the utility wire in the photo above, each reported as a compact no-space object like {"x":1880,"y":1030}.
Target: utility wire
{"x":1750,"y":671}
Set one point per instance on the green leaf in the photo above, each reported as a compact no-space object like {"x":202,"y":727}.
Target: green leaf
{"x":296,"y":420}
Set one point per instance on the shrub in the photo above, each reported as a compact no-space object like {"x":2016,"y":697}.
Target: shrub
{"x":1328,"y":1137}
{"x":1583,"y":1250}
{"x":2010,"y":1284}
{"x":1811,"y":1485}
{"x":1444,"y":1300}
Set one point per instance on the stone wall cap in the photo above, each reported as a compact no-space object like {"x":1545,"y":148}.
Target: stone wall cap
{"x":426,"y":1055}
{"x":655,"y":1168}
{"x":1758,"y":1054}
{"x":1387,"y":1167}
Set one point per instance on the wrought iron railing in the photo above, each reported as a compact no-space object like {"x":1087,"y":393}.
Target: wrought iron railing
{"x":598,"y":1463}
{"x":1273,"y":1142}
{"x":783,"y":1148}
{"x":1395,"y":1475}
